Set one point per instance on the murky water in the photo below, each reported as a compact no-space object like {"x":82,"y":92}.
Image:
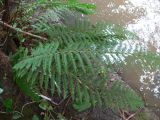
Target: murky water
{"x":143,"y":18}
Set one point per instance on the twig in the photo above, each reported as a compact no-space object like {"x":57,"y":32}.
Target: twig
{"x":50,"y":100}
{"x":130,"y":116}
{"x":26,"y":105}
{"x":20,"y":31}
{"x":51,"y":115}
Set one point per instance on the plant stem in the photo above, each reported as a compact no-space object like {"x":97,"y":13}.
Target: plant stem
{"x":20,"y":31}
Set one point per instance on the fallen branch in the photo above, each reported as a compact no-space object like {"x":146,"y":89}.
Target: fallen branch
{"x":20,"y":31}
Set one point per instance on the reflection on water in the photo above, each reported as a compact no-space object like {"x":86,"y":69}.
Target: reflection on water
{"x":151,"y":81}
{"x":117,"y":11}
{"x":143,"y":18}
{"x":147,"y":26}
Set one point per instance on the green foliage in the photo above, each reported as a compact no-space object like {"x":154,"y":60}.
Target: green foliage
{"x":35,"y":117}
{"x":8,"y":104}
{"x":1,"y":3}
{"x":74,"y":61}
{"x":16,"y":115}
{"x":120,"y":91}
{"x":71,"y":4}
{"x":61,"y":117}
{"x":30,"y":8}
{"x":27,"y":89}
{"x":44,"y":105}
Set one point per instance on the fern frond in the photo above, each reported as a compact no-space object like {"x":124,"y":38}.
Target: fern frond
{"x":74,"y":5}
{"x":118,"y":96}
{"x":123,"y":97}
{"x":73,"y":62}
{"x":70,"y":4}
{"x":27,"y":89}
{"x":46,"y":59}
{"x":82,"y":30}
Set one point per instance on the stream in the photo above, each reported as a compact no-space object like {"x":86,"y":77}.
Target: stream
{"x":143,"y":18}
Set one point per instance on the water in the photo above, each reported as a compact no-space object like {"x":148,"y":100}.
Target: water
{"x":143,"y":18}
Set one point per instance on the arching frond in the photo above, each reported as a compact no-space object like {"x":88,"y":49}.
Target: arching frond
{"x":118,"y":96}
{"x":73,"y":58}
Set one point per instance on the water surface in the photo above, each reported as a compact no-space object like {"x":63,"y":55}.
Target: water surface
{"x":143,"y":18}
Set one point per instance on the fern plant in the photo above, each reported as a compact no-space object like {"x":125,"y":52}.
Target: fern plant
{"x":74,"y":61}
{"x":71,"y":4}
{"x":75,"y":5}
